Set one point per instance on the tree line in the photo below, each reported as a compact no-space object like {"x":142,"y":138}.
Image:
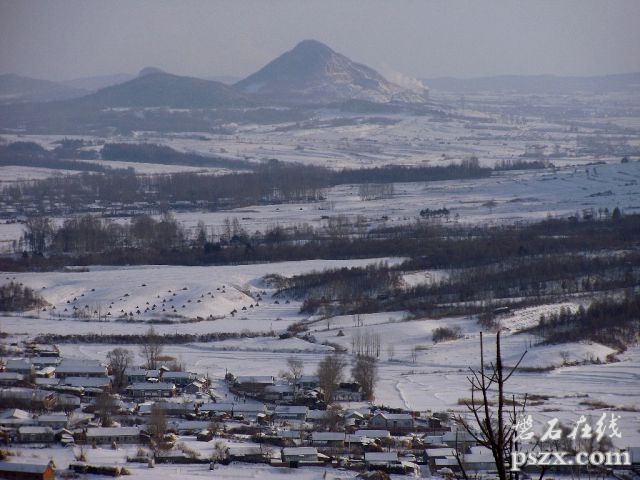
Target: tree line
{"x":16,"y":297}
{"x":269,"y":182}
{"x":162,"y":154}
{"x":145,"y":240}
{"x":529,"y":280}
{"x":31,"y":154}
{"x":611,"y":321}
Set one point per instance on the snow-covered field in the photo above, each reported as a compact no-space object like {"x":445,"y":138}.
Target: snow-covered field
{"x":110,"y":300}
{"x":12,"y":173}
{"x":509,"y":197}
{"x":505,"y":198}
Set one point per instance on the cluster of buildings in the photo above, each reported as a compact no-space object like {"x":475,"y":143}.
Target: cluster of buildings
{"x":305,"y":390}
{"x":42,"y":369}
{"x":49,"y":400}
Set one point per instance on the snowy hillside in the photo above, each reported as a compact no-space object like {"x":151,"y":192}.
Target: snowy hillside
{"x":312,"y":72}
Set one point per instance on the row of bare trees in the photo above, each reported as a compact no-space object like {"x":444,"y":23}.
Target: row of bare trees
{"x":365,"y":343}
{"x":375,"y":191}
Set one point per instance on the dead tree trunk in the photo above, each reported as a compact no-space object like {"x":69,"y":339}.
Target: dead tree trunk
{"x":490,"y":427}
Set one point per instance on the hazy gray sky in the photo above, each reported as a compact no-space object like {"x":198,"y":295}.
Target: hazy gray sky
{"x":65,"y":39}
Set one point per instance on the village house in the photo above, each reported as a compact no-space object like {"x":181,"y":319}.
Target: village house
{"x":247,"y":410}
{"x":151,"y":390}
{"x":384,"y":460}
{"x":80,"y":368}
{"x":40,"y":350}
{"x":291,"y":412}
{"x":472,"y":463}
{"x":425,"y":424}
{"x":45,"y":382}
{"x":27,"y":397}
{"x":135,"y":375}
{"x":376,"y":434}
{"x":189,"y":427}
{"x":295,"y":455}
{"x":478,"y":459}
{"x":46,"y":372}
{"x":316,"y":416}
{"x":253,"y":453}
{"x":88,"y":384}
{"x":193,"y":388}
{"x":354,"y":419}
{"x":174,"y":409}
{"x":19,"y":365}
{"x":179,"y":379}
{"x":348,"y":392}
{"x":43,"y":362}
{"x":308,"y":382}
{"x":253,"y":383}
{"x":458,"y":438}
{"x":11,"y":379}
{"x":67,"y":402}
{"x":353,"y":439}
{"x":56,"y":421}
{"x":294,"y":435}
{"x":29,"y":434}
{"x":281,"y":392}
{"x":106,"y":435}
{"x":394,"y":422}
{"x":14,"y":417}
{"x":154,"y":375}
{"x":449,"y":463}
{"x":329,"y":439}
{"x":433,"y":454}
{"x":27,"y":471}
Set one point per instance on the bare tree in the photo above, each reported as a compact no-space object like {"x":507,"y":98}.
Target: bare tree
{"x":119,"y":360}
{"x":334,"y":418}
{"x":157,"y":426}
{"x":105,"y":408}
{"x":151,"y":348}
{"x":330,"y":374}
{"x":365,"y":373}
{"x":391,"y":351}
{"x":375,"y":191}
{"x":38,"y":233}
{"x":296,"y":369}
{"x":365,"y":343}
{"x":495,"y":426}
{"x":220,"y":452}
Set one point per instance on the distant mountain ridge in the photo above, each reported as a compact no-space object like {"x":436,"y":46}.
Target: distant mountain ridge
{"x":92,"y":84}
{"x":310,"y":73}
{"x":159,"y":89}
{"x":313,"y":72}
{"x":18,"y":89}
{"x":538,"y":83}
